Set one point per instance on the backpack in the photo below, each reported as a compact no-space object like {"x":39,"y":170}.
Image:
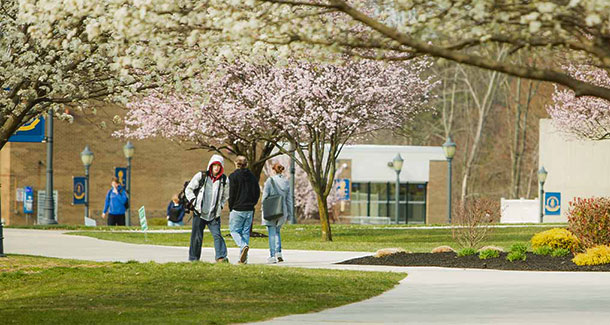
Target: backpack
{"x":126,"y":201}
{"x":189,"y":206}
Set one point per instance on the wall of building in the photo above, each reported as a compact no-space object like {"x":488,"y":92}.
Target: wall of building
{"x":575,"y":168}
{"x":437,"y":193}
{"x":160,"y":168}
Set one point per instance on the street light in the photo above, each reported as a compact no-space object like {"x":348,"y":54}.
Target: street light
{"x":449,"y":149}
{"x":396,"y":163}
{"x":87,"y":158}
{"x":128,"y":150}
{"x":541,"y":179}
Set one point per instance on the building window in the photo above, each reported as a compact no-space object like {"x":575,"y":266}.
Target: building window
{"x":377,"y":200}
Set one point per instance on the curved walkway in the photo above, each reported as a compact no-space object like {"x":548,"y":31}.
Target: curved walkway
{"x":426,"y":296}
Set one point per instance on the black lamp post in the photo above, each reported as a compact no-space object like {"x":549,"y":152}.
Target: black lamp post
{"x":396,"y":163}
{"x":87,"y":158}
{"x":128,"y":150}
{"x":542,"y":173}
{"x":449,"y":149}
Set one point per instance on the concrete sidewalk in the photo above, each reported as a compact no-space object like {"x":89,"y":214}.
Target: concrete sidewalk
{"x":427,"y":296}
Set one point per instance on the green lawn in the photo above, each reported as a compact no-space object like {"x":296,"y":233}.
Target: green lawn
{"x":46,"y":290}
{"x":345,"y":237}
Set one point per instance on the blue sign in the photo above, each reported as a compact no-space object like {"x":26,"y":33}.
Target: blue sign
{"x":552,"y":203}
{"x":121,"y":174}
{"x":342,"y":187}
{"x":28,"y":200}
{"x":80,"y":188}
{"x":32,"y":131}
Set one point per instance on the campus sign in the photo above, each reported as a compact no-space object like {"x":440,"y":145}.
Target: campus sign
{"x":342,"y":187}
{"x":552,"y":203}
{"x":32,"y":131}
{"x":78,"y":195}
{"x":121,"y":174}
{"x":28,"y":200}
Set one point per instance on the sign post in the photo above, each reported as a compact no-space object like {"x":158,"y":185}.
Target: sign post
{"x":121,"y":174}
{"x":143,"y":224}
{"x":552,"y":203}
{"x":28,"y":203}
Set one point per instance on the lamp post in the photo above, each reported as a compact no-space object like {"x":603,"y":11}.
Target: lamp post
{"x":449,"y":149}
{"x":128,"y":150}
{"x":49,"y":203}
{"x":87,"y":158}
{"x":541,"y":179}
{"x":396,"y":163}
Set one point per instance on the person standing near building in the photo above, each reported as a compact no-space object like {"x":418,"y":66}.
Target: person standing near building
{"x":208,"y":191}
{"x":175,"y":212}
{"x":114,"y":205}
{"x":243,"y":196}
{"x":274,"y":185}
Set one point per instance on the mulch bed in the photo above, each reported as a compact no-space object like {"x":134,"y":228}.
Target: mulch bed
{"x":532,"y":262}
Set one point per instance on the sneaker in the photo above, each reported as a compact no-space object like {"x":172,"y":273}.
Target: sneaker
{"x":271,"y":260}
{"x":243,"y":257}
{"x":279,"y":257}
{"x":222,"y":260}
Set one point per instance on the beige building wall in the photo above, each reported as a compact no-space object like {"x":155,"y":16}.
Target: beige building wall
{"x":436,"y":208}
{"x":159,"y":169}
{"x":575,"y":168}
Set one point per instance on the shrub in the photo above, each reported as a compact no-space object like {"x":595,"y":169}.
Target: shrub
{"x":589,"y":220}
{"x":443,"y":249}
{"x":557,"y":252}
{"x":543,"y":250}
{"x":472,"y":219}
{"x":388,"y":251}
{"x":488,"y":253}
{"x":593,"y":256}
{"x":555,"y":238}
{"x":466,"y":251}
{"x":518,"y":248}
{"x":513,"y":256}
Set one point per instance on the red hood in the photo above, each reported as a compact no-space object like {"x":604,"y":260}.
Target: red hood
{"x":217,"y":177}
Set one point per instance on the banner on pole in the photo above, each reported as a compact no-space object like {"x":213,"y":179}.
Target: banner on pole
{"x":80,"y":188}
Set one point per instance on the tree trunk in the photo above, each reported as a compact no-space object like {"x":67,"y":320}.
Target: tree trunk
{"x":324,"y":220}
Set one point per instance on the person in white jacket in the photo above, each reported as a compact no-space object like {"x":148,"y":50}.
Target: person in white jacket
{"x":274,"y":226}
{"x":208,"y":191}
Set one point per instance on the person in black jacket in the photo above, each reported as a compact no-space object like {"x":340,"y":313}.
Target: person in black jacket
{"x":243,"y":196}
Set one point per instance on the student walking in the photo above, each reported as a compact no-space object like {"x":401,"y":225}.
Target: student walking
{"x":275,"y":185}
{"x":243,"y":196}
{"x":208,"y":191}
{"x":175,"y":212}
{"x":115,"y":204}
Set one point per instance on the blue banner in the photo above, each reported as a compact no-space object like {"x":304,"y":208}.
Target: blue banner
{"x":342,"y":187}
{"x":552,"y":203}
{"x":32,"y":131}
{"x":80,"y":189}
{"x":28,"y":200}
{"x":121,"y":174}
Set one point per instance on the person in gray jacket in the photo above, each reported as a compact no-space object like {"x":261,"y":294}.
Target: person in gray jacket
{"x":274,"y":226}
{"x":208,"y":191}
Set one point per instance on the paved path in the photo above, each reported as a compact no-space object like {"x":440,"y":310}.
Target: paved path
{"x":426,"y":296}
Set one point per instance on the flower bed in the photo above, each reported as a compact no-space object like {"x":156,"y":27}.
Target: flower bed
{"x":533,"y":262}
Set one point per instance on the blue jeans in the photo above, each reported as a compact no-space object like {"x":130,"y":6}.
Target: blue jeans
{"x":175,"y":224}
{"x":240,"y":223}
{"x":197,"y":238}
{"x":275,"y":241}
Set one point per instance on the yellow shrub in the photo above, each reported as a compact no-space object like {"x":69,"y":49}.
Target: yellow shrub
{"x":555,"y":238}
{"x":593,"y":256}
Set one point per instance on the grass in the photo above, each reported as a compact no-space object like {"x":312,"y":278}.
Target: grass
{"x":345,"y":237}
{"x":47,"y":290}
